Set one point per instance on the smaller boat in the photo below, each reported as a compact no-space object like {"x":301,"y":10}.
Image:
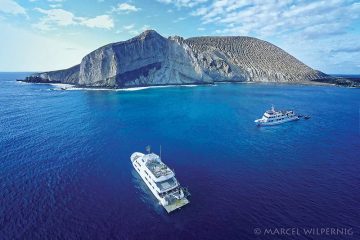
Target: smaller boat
{"x":307,"y":117}
{"x":274,"y":117}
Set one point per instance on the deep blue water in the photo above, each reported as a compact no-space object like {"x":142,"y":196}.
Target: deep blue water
{"x":65,"y":171}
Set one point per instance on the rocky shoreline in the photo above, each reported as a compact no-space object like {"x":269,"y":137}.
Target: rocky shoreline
{"x":355,"y":84}
{"x":339,"y":81}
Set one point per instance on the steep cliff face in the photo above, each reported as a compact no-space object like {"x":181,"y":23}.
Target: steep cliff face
{"x":150,"y":59}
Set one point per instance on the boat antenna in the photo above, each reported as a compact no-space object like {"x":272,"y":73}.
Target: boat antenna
{"x":160,"y":151}
{"x":272,"y":108}
{"x":148,"y":148}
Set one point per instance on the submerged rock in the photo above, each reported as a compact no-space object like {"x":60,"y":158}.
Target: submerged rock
{"x":150,"y":59}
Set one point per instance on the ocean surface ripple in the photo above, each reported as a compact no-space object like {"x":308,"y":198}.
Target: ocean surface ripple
{"x":65,"y":171}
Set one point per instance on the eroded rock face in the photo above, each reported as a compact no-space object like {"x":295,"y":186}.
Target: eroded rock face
{"x":70,"y":75}
{"x":150,"y":59}
{"x":248,"y":59}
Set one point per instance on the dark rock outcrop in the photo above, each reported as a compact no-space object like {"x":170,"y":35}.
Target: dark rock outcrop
{"x":150,"y":59}
{"x":340,"y":81}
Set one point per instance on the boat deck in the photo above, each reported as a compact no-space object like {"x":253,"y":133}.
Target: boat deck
{"x":154,"y":164}
{"x":176,"y":204}
{"x":167,"y":184}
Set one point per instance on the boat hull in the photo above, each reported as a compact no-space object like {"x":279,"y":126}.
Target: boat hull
{"x":258,"y":123}
{"x":161,"y":200}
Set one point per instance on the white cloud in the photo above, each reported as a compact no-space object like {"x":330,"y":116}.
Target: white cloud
{"x":179,"y":19}
{"x":145,"y":27}
{"x":57,"y":5}
{"x":301,"y":27}
{"x":200,"y":11}
{"x":61,"y":17}
{"x":128,"y":27}
{"x":276,"y":18}
{"x":12,"y":7}
{"x":102,"y":21}
{"x":347,"y":49}
{"x":183,"y":3}
{"x":58,"y":17}
{"x":125,"y":7}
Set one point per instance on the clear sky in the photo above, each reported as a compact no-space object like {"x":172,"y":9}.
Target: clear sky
{"x":42,"y":35}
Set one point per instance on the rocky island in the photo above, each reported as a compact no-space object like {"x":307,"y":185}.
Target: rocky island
{"x":149,"y":59}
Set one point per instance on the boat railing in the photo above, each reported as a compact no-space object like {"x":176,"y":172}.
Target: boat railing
{"x":161,"y":172}
{"x":186,"y":191}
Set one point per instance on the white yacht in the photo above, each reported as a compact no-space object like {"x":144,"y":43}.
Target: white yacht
{"x":160,"y":179}
{"x":273,"y":117}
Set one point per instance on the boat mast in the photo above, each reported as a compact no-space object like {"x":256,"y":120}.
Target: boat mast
{"x":148,"y":149}
{"x":160,"y":151}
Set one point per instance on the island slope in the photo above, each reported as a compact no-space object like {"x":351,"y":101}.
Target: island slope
{"x":150,"y":59}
